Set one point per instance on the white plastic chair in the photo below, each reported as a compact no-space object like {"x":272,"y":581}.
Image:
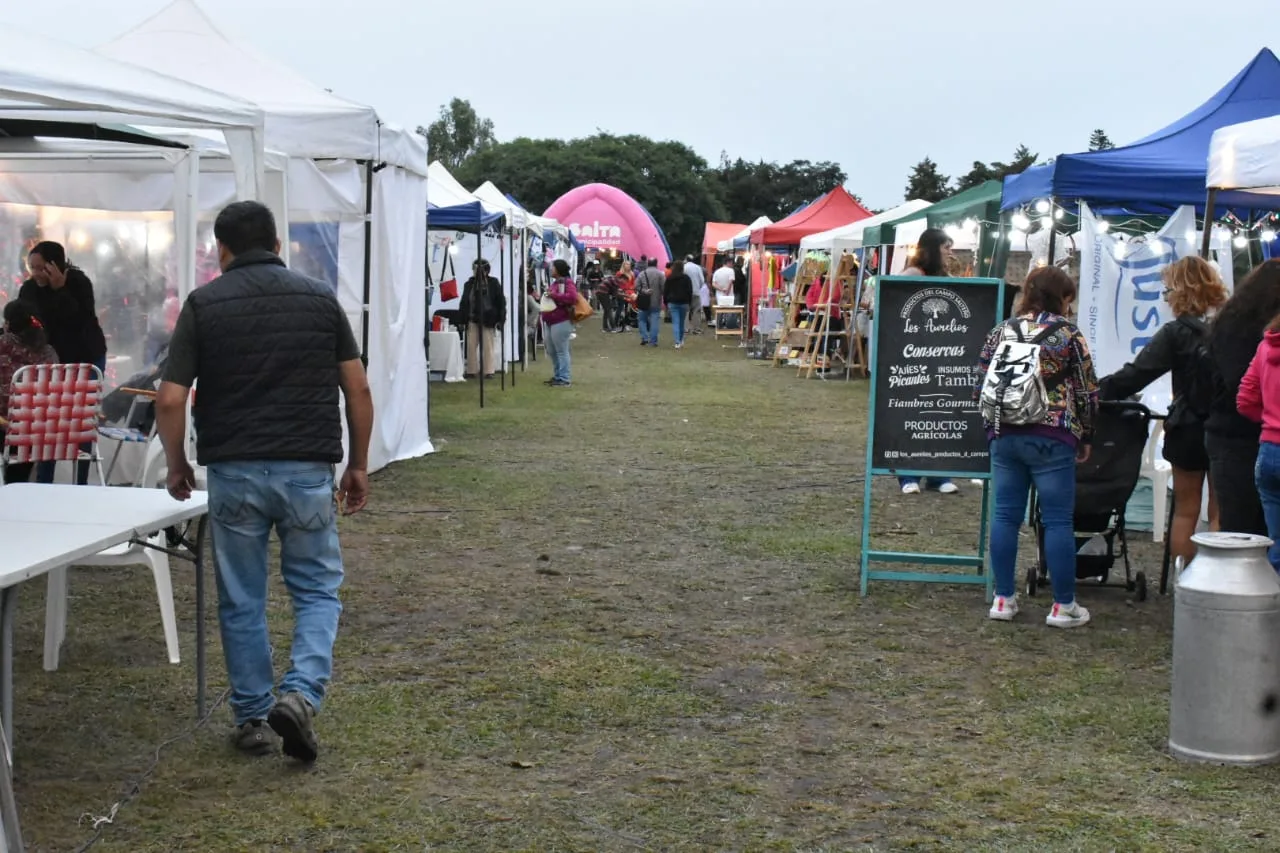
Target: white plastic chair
{"x":1160,"y":473}
{"x":127,"y":554}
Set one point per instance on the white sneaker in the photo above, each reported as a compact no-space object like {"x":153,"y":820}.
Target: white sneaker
{"x":911,"y":489}
{"x":1004,"y":608}
{"x":1067,"y":616}
{"x":948,"y":488}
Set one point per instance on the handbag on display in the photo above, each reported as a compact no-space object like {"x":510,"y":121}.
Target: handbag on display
{"x":449,"y":287}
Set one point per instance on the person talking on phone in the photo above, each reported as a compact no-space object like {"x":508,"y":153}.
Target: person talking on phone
{"x":63,"y":298}
{"x":271,"y":348}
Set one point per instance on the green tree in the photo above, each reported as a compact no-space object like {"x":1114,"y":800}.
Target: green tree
{"x":757,"y":189}
{"x":459,"y":133}
{"x":927,"y":183}
{"x":1099,"y":141}
{"x":978,"y":175}
{"x":673,"y":182}
{"x":1023,"y":158}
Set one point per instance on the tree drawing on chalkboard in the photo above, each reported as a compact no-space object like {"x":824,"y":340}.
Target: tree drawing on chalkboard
{"x":935,"y":308}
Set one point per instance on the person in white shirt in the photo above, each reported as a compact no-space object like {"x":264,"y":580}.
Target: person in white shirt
{"x":722,"y":283}
{"x":699,"y":279}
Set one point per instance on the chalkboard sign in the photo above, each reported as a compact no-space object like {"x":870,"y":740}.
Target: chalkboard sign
{"x":928,"y":336}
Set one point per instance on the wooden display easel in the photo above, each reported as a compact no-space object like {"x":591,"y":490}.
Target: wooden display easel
{"x":819,"y":331}
{"x":808,"y":272}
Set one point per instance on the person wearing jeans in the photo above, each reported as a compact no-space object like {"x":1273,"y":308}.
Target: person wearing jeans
{"x":271,"y":349}
{"x":1042,"y":453}
{"x":1259,"y":400}
{"x":649,"y":285}
{"x":559,"y":323}
{"x":677,"y":292}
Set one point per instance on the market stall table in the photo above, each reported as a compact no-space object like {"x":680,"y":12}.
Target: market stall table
{"x":446,"y":355}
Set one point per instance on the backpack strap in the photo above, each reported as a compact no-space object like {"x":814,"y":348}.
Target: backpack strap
{"x":1049,"y":330}
{"x":1195,"y":324}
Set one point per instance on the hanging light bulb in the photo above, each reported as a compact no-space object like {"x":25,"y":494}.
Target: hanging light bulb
{"x":1156,"y":245}
{"x":1240,"y":242}
{"x":453,"y":250}
{"x":1046,"y":223}
{"x":1020,"y":221}
{"x":1104,"y":226}
{"x":1042,"y":206}
{"x":1268,"y":235}
{"x":1058,"y":213}
{"x":1191,"y":235}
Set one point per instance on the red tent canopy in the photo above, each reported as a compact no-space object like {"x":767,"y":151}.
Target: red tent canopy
{"x":716,"y":233}
{"x":834,"y":209}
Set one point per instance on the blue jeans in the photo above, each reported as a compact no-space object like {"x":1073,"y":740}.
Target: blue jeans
{"x":929,"y":482}
{"x":558,"y":350}
{"x":1267,"y":475}
{"x":650,"y":323}
{"x":679,"y":316}
{"x":1017,"y":461}
{"x":247,"y":499}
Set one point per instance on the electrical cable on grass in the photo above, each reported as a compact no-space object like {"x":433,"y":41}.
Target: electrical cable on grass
{"x":101,"y":822}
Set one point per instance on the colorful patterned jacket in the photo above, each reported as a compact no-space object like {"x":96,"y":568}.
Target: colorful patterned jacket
{"x":1073,"y":402}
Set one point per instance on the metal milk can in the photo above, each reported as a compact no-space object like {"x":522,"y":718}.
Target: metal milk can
{"x":1225,"y":706}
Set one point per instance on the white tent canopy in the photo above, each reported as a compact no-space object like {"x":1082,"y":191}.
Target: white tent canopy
{"x":727,"y":245}
{"x":1246,"y":156}
{"x":849,"y":237}
{"x":491,"y":196}
{"x":45,"y":80}
{"x":378,"y":249}
{"x":302,"y":119}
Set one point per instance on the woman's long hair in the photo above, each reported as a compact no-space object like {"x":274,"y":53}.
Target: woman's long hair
{"x":21,"y":320}
{"x":1193,"y":287}
{"x":1253,"y":305}
{"x":561,"y":267}
{"x":1047,"y":289}
{"x":928,"y":256}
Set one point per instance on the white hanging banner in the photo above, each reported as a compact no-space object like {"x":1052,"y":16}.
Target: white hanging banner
{"x":1121,"y":303}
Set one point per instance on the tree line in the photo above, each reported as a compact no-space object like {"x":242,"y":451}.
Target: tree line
{"x":676,"y":184}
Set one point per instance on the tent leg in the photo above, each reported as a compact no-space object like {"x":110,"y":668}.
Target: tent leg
{"x":1053,"y":231}
{"x":1209,"y":204}
{"x":369,"y":171}
{"x":480,"y":328}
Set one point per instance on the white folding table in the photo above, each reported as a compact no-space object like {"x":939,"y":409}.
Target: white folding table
{"x":45,"y":527}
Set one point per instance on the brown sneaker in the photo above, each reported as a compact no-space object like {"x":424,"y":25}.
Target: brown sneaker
{"x":291,"y":719}
{"x":253,"y":738}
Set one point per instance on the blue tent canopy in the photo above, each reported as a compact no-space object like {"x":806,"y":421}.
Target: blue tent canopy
{"x":1166,"y":169}
{"x":461,"y":217}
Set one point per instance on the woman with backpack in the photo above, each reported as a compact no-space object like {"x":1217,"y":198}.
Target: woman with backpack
{"x":933,"y":254}
{"x":1038,"y":427}
{"x":1194,"y":291}
{"x":1231,"y":439}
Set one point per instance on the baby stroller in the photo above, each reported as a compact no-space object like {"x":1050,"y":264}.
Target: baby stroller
{"x":1104,"y":485}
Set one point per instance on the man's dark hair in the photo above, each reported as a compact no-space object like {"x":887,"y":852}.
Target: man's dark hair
{"x":245,"y":226}
{"x":653,"y":262}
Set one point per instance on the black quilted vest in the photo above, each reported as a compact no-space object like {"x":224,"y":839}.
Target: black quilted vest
{"x":268,"y":381}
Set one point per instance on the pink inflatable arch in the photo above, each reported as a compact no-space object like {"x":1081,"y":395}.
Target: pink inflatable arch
{"x":604,"y":217}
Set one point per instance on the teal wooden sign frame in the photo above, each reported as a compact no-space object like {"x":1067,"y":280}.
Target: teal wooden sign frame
{"x":870,"y":555}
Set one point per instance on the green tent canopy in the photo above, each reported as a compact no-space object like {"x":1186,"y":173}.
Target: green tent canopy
{"x":981,"y":203}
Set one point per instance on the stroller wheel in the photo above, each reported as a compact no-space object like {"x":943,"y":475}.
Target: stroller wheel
{"x":1033,"y":575}
{"x":1140,"y":584}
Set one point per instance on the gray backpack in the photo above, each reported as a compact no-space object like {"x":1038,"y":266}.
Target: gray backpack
{"x":1014,"y":390}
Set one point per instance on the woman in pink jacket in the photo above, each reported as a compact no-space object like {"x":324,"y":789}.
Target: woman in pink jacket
{"x":559,"y":324}
{"x":1259,"y":400}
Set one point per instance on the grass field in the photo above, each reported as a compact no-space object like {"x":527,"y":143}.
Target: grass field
{"x":624,"y":616}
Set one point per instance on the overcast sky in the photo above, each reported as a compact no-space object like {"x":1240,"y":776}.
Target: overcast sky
{"x":873,"y":85}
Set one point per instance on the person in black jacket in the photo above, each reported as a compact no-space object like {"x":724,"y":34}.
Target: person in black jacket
{"x":63,"y":298}
{"x":485,"y":309}
{"x":1193,"y":290}
{"x":677,"y":292}
{"x":1230,"y":438}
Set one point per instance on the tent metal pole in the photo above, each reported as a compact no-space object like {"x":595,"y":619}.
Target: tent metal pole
{"x":1209,"y":204}
{"x":473,"y":321}
{"x":502,"y":330}
{"x":1053,"y":230}
{"x":369,"y":171}
{"x":521,"y":289}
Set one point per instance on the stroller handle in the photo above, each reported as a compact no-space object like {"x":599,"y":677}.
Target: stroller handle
{"x":1130,"y":406}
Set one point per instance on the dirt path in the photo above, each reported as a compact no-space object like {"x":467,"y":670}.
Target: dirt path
{"x":624,"y":616}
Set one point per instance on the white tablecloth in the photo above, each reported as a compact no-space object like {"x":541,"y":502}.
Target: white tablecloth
{"x":446,"y":355}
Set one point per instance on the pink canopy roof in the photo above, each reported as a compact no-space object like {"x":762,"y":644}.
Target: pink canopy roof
{"x":604,"y":217}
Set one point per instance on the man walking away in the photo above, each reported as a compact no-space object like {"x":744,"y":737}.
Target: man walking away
{"x":649,"y":302}
{"x":699,"y":279}
{"x":270,"y":348}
